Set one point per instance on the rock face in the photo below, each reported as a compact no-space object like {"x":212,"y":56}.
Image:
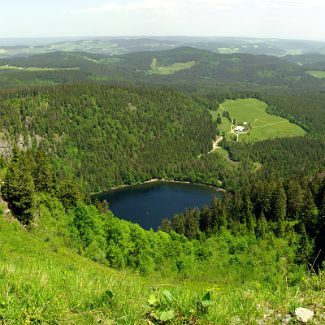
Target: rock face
{"x":5,"y":147}
{"x":304,"y":315}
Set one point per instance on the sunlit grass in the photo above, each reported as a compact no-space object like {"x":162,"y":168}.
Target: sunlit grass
{"x":169,"y":69}
{"x":316,"y":73}
{"x":262,"y":125}
{"x":11,"y":67}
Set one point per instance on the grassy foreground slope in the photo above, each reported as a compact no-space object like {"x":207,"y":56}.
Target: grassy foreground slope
{"x":244,"y":281}
{"x":262,"y":125}
{"x":46,"y":283}
{"x":231,"y":275}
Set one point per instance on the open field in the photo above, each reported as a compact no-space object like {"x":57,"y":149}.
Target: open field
{"x":263,"y":125}
{"x":10,"y":67}
{"x":169,"y":69}
{"x":108,"y":61}
{"x":316,"y":73}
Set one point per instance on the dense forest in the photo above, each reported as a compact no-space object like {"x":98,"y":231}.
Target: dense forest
{"x":108,"y":136}
{"x":285,"y":209}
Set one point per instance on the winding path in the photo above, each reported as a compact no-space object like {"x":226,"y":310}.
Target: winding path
{"x":215,"y":146}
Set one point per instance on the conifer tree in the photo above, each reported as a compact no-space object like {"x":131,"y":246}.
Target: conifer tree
{"x":304,"y":252}
{"x":280,"y":204}
{"x":261,"y":226}
{"x":18,"y":187}
{"x":42,"y":173}
{"x":309,"y":214}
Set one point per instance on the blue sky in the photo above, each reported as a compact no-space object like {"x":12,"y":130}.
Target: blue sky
{"x":301,"y":19}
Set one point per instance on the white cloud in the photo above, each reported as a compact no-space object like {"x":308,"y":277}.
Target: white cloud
{"x":291,"y":4}
{"x":149,"y":5}
{"x":105,"y":8}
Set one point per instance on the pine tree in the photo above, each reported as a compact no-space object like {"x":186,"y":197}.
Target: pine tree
{"x":310,"y":214}
{"x":205,"y":220}
{"x":18,"y":188}
{"x":69,"y":193}
{"x":280,"y":204}
{"x":42,"y":173}
{"x":262,"y":226}
{"x":304,"y":252}
{"x":295,"y":198}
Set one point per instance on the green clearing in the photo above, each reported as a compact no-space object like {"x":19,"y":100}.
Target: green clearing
{"x":227,"y":50}
{"x":263,"y":125}
{"x":223,"y":152}
{"x":169,"y":69}
{"x":10,"y":67}
{"x":225,"y":126}
{"x":316,"y":73}
{"x":108,"y":61}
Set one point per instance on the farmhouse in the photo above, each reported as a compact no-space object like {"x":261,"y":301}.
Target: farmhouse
{"x":239,"y":129}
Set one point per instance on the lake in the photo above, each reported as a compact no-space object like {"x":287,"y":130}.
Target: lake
{"x":147,"y":204}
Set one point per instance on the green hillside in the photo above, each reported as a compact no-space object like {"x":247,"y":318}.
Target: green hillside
{"x":44,"y":281}
{"x":183,"y":67}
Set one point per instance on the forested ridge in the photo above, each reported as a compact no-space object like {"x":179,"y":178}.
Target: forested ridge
{"x":108,"y":136}
{"x":207,"y":71}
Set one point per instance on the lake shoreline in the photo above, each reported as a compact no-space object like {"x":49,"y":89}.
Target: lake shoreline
{"x":158,"y":180}
{"x":148,"y":203}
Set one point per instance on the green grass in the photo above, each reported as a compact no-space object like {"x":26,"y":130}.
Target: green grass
{"x":223,"y":152}
{"x":227,"y":50}
{"x":263,"y":125}
{"x":10,"y":67}
{"x":108,"y":61}
{"x":225,"y":126}
{"x":316,"y":73}
{"x":169,"y":69}
{"x":43,"y":281}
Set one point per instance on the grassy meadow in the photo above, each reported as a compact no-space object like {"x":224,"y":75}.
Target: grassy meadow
{"x":317,"y":74}
{"x":10,"y":67}
{"x":263,"y":125}
{"x":169,"y":69}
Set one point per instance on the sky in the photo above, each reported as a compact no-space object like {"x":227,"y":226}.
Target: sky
{"x":290,"y":19}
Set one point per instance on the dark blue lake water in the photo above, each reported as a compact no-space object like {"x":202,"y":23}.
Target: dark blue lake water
{"x":147,"y":204}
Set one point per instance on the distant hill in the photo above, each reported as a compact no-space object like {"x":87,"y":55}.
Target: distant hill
{"x":117,"y":46}
{"x":311,"y":60}
{"x":180,"y":67}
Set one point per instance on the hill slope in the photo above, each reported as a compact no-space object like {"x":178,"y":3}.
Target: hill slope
{"x":44,"y":281}
{"x":199,"y":68}
{"x":109,"y":136}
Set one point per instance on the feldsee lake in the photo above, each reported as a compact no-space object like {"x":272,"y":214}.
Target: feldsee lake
{"x":147,"y":204}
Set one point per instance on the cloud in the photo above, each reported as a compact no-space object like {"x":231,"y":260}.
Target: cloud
{"x":291,"y":4}
{"x":152,"y":5}
{"x":196,"y":5}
